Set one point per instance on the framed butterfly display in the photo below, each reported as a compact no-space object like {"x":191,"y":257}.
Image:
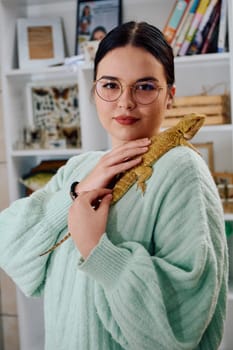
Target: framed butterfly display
{"x":53,"y":111}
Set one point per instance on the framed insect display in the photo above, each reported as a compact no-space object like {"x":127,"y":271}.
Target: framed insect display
{"x":53,"y":111}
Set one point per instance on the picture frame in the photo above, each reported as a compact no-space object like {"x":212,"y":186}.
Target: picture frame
{"x":95,"y":16}
{"x":224,"y":183}
{"x":40,"y":42}
{"x":53,"y":113}
{"x":206,"y":150}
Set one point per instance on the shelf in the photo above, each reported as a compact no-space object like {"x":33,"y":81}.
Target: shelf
{"x":45,"y":152}
{"x":63,"y":70}
{"x":228,"y":217}
{"x":211,"y":128}
{"x":207,"y":58}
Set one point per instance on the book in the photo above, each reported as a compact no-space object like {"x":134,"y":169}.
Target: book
{"x":199,"y":37}
{"x":194,"y":25}
{"x":174,"y":19}
{"x":222,"y":27}
{"x":212,"y":32}
{"x":185,"y":26}
{"x":181,"y":23}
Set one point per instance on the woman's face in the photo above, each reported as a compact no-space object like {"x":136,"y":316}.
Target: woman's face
{"x":99,"y":35}
{"x":125,"y":119}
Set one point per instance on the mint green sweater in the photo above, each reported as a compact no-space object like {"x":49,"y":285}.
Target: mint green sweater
{"x":157,"y":280}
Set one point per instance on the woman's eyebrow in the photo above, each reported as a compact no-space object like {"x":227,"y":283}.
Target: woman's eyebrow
{"x":109,"y":77}
{"x":147,"y":79}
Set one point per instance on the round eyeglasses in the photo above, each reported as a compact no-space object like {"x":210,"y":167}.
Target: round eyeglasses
{"x":144,"y":91}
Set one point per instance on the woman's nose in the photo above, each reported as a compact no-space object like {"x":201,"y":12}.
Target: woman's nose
{"x":126,"y":100}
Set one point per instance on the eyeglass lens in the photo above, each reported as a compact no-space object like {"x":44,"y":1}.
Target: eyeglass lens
{"x":144,"y":92}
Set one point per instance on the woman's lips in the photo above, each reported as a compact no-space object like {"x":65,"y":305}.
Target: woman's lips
{"x":126,"y":120}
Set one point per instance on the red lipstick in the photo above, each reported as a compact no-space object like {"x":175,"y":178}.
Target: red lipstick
{"x":126,"y":120}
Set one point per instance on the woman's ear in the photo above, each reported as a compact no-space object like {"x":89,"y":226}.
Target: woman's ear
{"x":171,"y":94}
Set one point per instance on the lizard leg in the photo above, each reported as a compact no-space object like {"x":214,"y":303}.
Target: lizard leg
{"x":143,"y":174}
{"x":186,"y":143}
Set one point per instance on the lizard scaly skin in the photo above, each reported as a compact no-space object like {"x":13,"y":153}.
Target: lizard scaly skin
{"x":177,"y":135}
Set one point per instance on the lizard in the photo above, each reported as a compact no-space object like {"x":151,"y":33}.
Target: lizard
{"x":161,"y":143}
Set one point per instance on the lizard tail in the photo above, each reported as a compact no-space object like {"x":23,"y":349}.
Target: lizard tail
{"x":57,"y":244}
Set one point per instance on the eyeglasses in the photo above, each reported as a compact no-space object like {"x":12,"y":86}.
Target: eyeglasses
{"x":144,"y":92}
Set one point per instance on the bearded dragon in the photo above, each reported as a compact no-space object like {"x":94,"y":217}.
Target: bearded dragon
{"x":177,"y":135}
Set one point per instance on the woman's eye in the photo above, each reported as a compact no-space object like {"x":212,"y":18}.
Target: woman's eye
{"x":111,"y":85}
{"x":146,"y":86}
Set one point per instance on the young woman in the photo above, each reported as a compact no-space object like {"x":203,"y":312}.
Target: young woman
{"x":149,"y":272}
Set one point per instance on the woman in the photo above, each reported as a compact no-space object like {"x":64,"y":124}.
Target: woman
{"x":149,"y":272}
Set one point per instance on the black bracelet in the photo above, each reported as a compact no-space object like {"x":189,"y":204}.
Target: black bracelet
{"x":73,"y":194}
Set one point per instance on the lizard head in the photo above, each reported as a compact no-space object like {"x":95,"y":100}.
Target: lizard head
{"x":190,"y":124}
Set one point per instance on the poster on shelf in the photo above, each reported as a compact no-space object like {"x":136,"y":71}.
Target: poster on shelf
{"x":94,"y":19}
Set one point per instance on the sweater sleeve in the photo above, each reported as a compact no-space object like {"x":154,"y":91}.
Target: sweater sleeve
{"x":169,"y":300}
{"x":30,"y":226}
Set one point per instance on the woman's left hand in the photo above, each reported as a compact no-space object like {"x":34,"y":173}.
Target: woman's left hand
{"x":87,"y":218}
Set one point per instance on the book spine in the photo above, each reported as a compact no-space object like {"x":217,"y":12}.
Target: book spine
{"x":174,"y":19}
{"x":185,"y":27}
{"x":210,"y":33}
{"x":194,"y":25}
{"x":222,"y":26}
{"x":181,"y":23}
{"x":199,"y":35}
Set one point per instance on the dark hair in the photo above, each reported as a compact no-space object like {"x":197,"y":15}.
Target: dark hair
{"x":142,"y":35}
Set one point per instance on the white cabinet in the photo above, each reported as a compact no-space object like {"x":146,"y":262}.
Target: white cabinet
{"x":193,"y":74}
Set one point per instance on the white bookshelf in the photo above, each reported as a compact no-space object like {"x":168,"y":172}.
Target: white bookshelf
{"x":192,"y":75}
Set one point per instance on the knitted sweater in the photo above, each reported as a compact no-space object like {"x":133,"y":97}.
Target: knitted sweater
{"x":157,"y":280}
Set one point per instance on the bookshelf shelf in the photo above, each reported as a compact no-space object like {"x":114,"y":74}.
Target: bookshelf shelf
{"x":48,"y":153}
{"x":211,"y":57}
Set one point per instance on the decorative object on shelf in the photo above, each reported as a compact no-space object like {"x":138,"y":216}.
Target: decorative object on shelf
{"x":53,"y":110}
{"x":40,"y":42}
{"x":206,"y":150}
{"x":224,"y":182}
{"x":101,"y":15}
{"x":89,"y":49}
{"x":40,"y":175}
{"x":215,"y":107}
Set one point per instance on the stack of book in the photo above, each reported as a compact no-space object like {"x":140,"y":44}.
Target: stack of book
{"x":197,"y":27}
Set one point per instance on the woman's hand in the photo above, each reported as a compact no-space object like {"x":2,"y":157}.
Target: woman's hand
{"x":87,"y":220}
{"x":117,"y":161}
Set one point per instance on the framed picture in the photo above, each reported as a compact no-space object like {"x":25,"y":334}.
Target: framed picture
{"x":224,"y":183}
{"x":53,"y":113}
{"x":94,"y":19}
{"x":40,"y":42}
{"x":207,"y":152}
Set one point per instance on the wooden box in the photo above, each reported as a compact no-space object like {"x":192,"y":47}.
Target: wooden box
{"x":215,"y":107}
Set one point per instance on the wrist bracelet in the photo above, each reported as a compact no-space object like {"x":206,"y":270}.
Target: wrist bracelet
{"x":73,"y":194}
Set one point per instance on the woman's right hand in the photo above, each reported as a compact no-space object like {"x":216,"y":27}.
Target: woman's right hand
{"x":117,"y":161}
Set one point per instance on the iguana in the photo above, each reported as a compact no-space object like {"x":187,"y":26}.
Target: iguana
{"x":177,"y":135}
